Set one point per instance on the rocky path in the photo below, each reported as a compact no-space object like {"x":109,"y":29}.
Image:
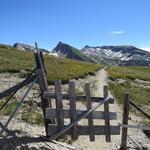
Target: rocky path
{"x":136,"y":138}
{"x":83,"y":142}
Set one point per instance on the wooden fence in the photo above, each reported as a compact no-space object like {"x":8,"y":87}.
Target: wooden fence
{"x":54,"y":118}
{"x":125,"y":118}
{"x":76,"y":114}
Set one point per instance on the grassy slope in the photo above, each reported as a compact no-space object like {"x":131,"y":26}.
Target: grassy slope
{"x":142,"y":73}
{"x":12,"y":60}
{"x":138,"y":94}
{"x":79,"y":53}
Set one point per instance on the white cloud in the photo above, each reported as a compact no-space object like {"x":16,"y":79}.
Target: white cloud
{"x":114,"y":33}
{"x":146,"y":48}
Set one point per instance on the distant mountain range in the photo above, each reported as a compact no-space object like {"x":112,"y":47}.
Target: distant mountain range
{"x":118,"y":55}
{"x":110,"y":55}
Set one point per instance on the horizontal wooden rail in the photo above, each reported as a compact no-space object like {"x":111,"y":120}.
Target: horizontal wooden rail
{"x":8,"y":82}
{"x":17,"y":86}
{"x":135,"y":127}
{"x":51,"y":113}
{"x":139,"y":109}
{"x":84,"y":130}
{"x":78,"y":98}
{"x":17,"y":107}
{"x":83,"y":115}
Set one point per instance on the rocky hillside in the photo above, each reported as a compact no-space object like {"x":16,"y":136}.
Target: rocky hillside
{"x":25,"y":47}
{"x":65,"y":50}
{"x":118,"y":55}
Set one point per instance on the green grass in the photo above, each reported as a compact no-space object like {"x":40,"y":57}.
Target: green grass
{"x":28,"y":114}
{"x":137,"y":94}
{"x":13,"y":61}
{"x":8,"y":108}
{"x":132,"y":73}
{"x":140,"y":95}
{"x":32,"y":116}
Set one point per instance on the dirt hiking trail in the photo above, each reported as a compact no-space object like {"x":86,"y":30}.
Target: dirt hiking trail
{"x":101,"y":79}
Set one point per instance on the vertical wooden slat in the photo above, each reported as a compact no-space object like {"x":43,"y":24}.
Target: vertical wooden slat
{"x":42,"y":58}
{"x":89,"y":106}
{"x":59,"y":105}
{"x":45,"y":102}
{"x":125,"y":121}
{"x":42,"y":80}
{"x":73,"y":115}
{"x":106,"y":113}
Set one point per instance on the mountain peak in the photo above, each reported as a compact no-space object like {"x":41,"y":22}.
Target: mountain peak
{"x":60,"y":43}
{"x":70,"y":52}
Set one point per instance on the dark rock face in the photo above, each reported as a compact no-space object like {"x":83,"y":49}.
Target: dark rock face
{"x":70,"y":52}
{"x":118,"y":55}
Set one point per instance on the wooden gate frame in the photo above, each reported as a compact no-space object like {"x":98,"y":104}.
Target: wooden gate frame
{"x":75,"y":115}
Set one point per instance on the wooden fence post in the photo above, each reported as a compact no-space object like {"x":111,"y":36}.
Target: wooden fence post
{"x":42,"y":80}
{"x":73,"y":113}
{"x":106,"y":114}
{"x":59,"y":105}
{"x":89,"y":106}
{"x":125,"y":121}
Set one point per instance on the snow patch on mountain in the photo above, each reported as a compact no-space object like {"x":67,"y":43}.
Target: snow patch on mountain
{"x":117,"y":54}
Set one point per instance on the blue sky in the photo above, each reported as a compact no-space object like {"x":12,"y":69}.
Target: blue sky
{"x":76,"y":22}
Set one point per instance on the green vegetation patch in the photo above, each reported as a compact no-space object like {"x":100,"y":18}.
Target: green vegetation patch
{"x":137,"y":94}
{"x":130,"y":72}
{"x":13,"y":60}
{"x":32,"y":116}
{"x":8,"y":108}
{"x":28,"y":113}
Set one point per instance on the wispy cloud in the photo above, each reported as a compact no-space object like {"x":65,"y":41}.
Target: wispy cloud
{"x":114,"y":33}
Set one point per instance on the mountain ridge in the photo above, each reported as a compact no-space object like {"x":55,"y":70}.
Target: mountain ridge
{"x":125,"y":55}
{"x":65,"y":50}
{"x":118,"y":55}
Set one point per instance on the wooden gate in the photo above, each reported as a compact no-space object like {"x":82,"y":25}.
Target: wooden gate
{"x":54,"y":117}
{"x":75,"y":114}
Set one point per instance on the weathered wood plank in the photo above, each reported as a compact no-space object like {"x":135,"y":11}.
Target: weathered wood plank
{"x":73,"y":115}
{"x":83,"y":115}
{"x":43,"y":84}
{"x":17,"y":86}
{"x":51,"y":113}
{"x":17,"y":107}
{"x":89,"y":106}
{"x":78,"y":97}
{"x":139,"y":109}
{"x":59,"y":105}
{"x":84,"y":130}
{"x":125,"y":122}
{"x":135,"y":127}
{"x":107,"y":118}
